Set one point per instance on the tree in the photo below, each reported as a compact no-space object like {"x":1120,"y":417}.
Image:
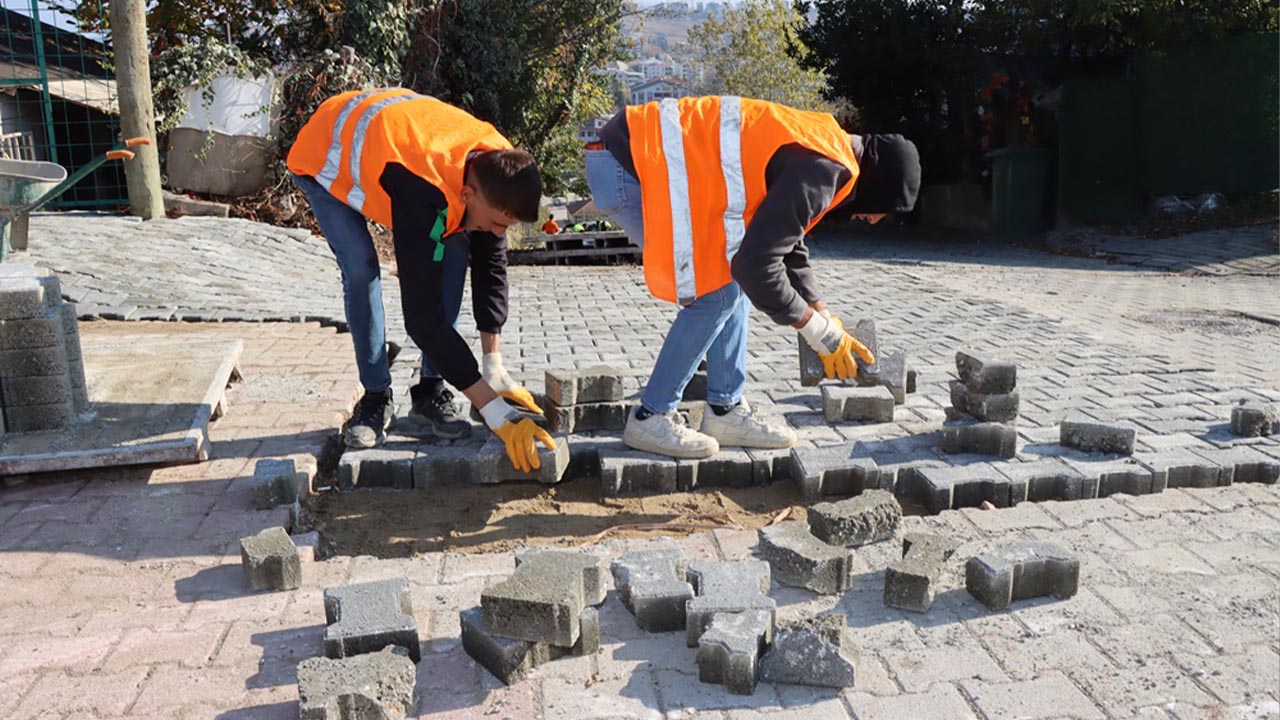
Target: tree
{"x":753,"y":50}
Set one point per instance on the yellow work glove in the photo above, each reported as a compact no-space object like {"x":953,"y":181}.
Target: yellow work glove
{"x":502,"y":383}
{"x":519,"y":433}
{"x":825,"y":333}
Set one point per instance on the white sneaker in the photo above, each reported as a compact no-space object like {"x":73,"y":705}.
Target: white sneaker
{"x":668,"y":435}
{"x":739,"y":428}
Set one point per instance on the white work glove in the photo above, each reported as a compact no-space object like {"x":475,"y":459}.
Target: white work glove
{"x":837,"y":348}
{"x":500,"y":380}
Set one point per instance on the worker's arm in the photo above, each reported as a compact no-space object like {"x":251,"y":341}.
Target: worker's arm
{"x":772,"y":264}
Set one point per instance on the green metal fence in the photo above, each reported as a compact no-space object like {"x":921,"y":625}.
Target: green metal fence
{"x":58,"y":99}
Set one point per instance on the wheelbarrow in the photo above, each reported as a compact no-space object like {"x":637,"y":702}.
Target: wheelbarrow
{"x":27,"y":185}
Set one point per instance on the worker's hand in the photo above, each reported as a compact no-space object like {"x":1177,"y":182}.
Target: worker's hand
{"x":502,"y":383}
{"x":827,"y":336}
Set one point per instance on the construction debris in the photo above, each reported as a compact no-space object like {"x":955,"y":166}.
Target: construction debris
{"x":815,"y":651}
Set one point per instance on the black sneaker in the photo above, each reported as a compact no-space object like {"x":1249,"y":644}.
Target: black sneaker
{"x":370,"y":420}
{"x":437,"y":413}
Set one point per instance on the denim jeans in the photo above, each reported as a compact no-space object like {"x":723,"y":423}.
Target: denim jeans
{"x":348,"y":236}
{"x":714,"y":326}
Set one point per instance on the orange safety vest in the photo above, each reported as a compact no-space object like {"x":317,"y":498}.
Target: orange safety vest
{"x":701,"y":164}
{"x":352,"y":137}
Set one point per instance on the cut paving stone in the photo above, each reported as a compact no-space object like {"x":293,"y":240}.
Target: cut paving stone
{"x":870,"y":517}
{"x":543,"y":600}
{"x":986,"y":407}
{"x":1021,"y":571}
{"x":446,"y":463}
{"x":367,"y":617}
{"x":493,"y":465}
{"x":275,"y":482}
{"x":1093,"y":436}
{"x":1180,"y":468}
{"x":1050,"y":479}
{"x":798,"y":558}
{"x":731,"y":467}
{"x":1126,"y":476}
{"x":772,"y":465}
{"x":511,"y":660}
{"x":811,"y":370}
{"x":912,"y":582}
{"x":840,"y":403}
{"x":651,"y":584}
{"x":1243,"y":465}
{"x":593,"y":385}
{"x":271,"y":560}
{"x":587,"y":418}
{"x":726,"y":587}
{"x":947,"y":488}
{"x":380,"y":468}
{"x":982,"y":438}
{"x":1255,"y":420}
{"x":624,"y":471}
{"x":730,"y":648}
{"x":816,"y":651}
{"x":893,"y":375}
{"x":832,"y":470}
{"x":864,"y":331}
{"x":376,"y":686}
{"x":984,"y":374}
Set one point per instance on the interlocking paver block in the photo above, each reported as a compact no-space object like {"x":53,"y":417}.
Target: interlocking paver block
{"x":33,"y":362}
{"x":33,"y":418}
{"x":864,"y":331}
{"x":731,"y":467}
{"x":1002,"y":407}
{"x":441,"y":464}
{"x":379,"y":468}
{"x":493,"y":465}
{"x":275,"y":482}
{"x":946,"y":488}
{"x":1049,"y":479}
{"x":984,"y":374}
{"x":1093,"y":436}
{"x":811,"y":370}
{"x":816,"y":651}
{"x":1021,"y":571}
{"x":593,"y":385}
{"x":28,"y":296}
{"x":730,"y":648}
{"x":377,"y":685}
{"x":587,"y":418}
{"x":726,"y":587}
{"x":1180,"y":468}
{"x":624,"y":471}
{"x":893,"y":375}
{"x":37,"y":332}
{"x":800,"y":559}
{"x":870,"y":517}
{"x":840,"y":403}
{"x":912,"y":582}
{"x":1255,"y":420}
{"x":271,"y":560}
{"x":1243,"y":465}
{"x":543,"y":600}
{"x":1126,"y":476}
{"x":651,"y":585}
{"x":510,"y":660}
{"x":912,"y":377}
{"x":28,"y":391}
{"x":832,"y":470}
{"x":981,"y":438}
{"x":367,"y":617}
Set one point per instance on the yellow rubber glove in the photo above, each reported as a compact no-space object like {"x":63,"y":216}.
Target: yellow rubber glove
{"x":521,"y":397}
{"x":502,"y":383}
{"x":521,"y":438}
{"x":827,"y":336}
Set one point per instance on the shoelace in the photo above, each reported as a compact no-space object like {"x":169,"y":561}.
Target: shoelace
{"x":366,"y":409}
{"x":444,"y":402}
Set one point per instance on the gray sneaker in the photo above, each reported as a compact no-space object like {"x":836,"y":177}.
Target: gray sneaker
{"x":369,"y":421}
{"x":438,"y":414}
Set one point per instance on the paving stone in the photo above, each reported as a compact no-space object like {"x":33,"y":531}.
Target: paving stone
{"x":1043,"y":697}
{"x":1182,"y":468}
{"x":840,"y":403}
{"x":510,"y":660}
{"x":1092,"y":436}
{"x":28,"y":294}
{"x":832,"y":470}
{"x":543,"y":600}
{"x":275,"y":482}
{"x":29,"y":391}
{"x":600,"y":384}
{"x":912,"y":582}
{"x":985,"y":407}
{"x":984,"y":374}
{"x":379,"y":684}
{"x":729,"y":649}
{"x":798,"y":558}
{"x":913,"y":377}
{"x":946,"y":488}
{"x":366,"y":617}
{"x":812,"y":371}
{"x":983,"y":438}
{"x":34,"y":362}
{"x":493,"y":465}
{"x":444,"y":463}
{"x":390,"y":466}
{"x":1242,"y":465}
{"x":870,"y":517}
{"x":893,"y":375}
{"x":864,"y":331}
{"x":1050,"y":479}
{"x":1021,"y":571}
{"x":651,"y":585}
{"x":726,"y":587}
{"x":587,"y":418}
{"x":46,"y":330}
{"x":271,"y":560}
{"x":1255,"y":420}
{"x":731,"y":467}
{"x":33,"y":418}
{"x":817,"y":651}
{"x":624,"y":471}
{"x":1126,"y":476}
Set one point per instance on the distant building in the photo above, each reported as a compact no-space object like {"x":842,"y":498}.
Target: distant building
{"x":658,"y":89}
{"x":589,"y":131}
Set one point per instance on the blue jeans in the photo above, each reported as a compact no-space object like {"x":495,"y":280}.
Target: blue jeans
{"x":348,"y":235}
{"x":714,"y":326}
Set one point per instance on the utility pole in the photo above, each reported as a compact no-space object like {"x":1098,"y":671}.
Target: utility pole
{"x":137,"y":114}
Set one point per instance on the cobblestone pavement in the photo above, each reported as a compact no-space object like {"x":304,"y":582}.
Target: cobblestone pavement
{"x":123,"y":597}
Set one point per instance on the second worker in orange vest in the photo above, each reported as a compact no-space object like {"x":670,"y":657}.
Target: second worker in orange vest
{"x":448,"y":185}
{"x":720,"y":192}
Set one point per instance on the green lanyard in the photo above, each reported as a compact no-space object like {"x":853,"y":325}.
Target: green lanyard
{"x":437,"y":234}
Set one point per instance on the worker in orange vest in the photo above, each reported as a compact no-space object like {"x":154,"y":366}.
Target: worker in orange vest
{"x":731,"y":186}
{"x":550,"y":227}
{"x":448,"y":185}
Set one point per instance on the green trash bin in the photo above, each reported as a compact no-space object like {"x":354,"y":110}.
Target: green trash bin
{"x":1019,"y":178}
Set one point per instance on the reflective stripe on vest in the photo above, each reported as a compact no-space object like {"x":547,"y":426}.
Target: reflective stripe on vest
{"x":333,"y":159}
{"x":731,"y":162}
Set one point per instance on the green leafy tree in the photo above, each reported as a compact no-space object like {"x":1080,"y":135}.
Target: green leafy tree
{"x":754,"y":50}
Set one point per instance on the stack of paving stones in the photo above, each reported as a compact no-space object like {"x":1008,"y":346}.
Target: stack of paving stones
{"x":371,"y":645}
{"x":546,"y":610}
{"x":984,"y":403}
{"x":42,"y":385}
{"x":586,"y":400}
